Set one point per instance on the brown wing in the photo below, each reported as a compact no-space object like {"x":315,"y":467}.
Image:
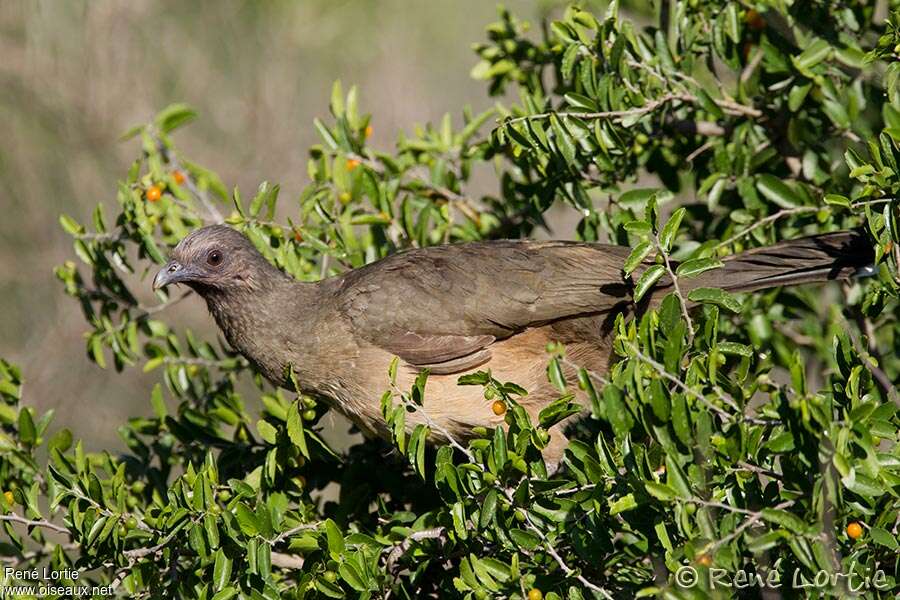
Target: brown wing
{"x":440,"y":354}
{"x":443,"y":306}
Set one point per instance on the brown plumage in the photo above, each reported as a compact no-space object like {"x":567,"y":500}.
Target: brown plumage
{"x":454,"y":309}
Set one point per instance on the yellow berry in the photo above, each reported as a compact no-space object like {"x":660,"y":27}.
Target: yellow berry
{"x":10,"y":499}
{"x":498,"y":407}
{"x":535,"y":594}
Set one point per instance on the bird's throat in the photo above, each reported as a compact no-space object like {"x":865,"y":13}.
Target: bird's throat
{"x":257,"y":323}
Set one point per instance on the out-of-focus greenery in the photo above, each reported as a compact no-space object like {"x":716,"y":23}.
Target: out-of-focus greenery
{"x":75,"y":74}
{"x":758,"y":432}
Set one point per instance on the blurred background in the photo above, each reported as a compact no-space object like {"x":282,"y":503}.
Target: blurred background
{"x":75,"y":75}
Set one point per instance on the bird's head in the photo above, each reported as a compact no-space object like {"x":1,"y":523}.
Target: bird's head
{"x":216,"y":258}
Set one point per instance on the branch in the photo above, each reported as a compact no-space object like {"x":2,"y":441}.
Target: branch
{"x":434,"y":425}
{"x":201,"y":195}
{"x":44,"y":524}
{"x":751,"y":520}
{"x":771,"y":218}
{"x":288,"y":533}
{"x":728,"y":106}
{"x":682,"y":301}
{"x":683,"y":386}
{"x":569,"y":571}
{"x":400,"y":549}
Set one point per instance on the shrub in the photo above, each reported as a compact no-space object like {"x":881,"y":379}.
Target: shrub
{"x":759,"y":432}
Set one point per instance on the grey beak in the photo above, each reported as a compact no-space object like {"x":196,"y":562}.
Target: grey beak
{"x":171,"y":273}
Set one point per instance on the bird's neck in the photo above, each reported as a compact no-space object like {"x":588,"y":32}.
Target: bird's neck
{"x":261,"y":323}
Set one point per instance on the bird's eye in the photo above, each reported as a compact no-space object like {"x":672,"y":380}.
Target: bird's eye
{"x":214,"y":258}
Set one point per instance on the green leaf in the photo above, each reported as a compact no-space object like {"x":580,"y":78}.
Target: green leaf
{"x":335,"y":539}
{"x":863,"y":485}
{"x":670,"y":230}
{"x":488,"y":509}
{"x":524,"y":539}
{"x":246,"y":519}
{"x":623,"y":504}
{"x":695,"y":266}
{"x":814,"y":53}
{"x":884,"y":538}
{"x":295,"y":430}
{"x":660,"y":491}
{"x":226,"y":594}
{"x":837,"y":200}
{"x":777,"y":191}
{"x":352,"y":577}
{"x":563,"y":140}
{"x":174,"y":116}
{"x":716,"y":296}
{"x":788,"y":520}
{"x":647,"y":280}
{"x":638,"y":254}
{"x":267,"y":431}
{"x":156,"y":400}
{"x":636,"y":199}
{"x":27,"y":431}
{"x":70,"y":225}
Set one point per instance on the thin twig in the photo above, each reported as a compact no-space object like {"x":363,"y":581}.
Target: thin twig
{"x":288,"y":533}
{"x":765,"y":221}
{"x":884,"y":382}
{"x":394,"y":554}
{"x":660,"y":369}
{"x":682,"y":301}
{"x":569,"y":571}
{"x":44,"y":524}
{"x":752,"y":519}
{"x":434,"y":425}
{"x":191,"y":185}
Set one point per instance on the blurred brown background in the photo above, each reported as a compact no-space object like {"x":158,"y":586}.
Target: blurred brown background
{"x":75,"y":74}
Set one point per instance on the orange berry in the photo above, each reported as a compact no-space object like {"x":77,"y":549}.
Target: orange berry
{"x":10,"y":499}
{"x":854,"y":530}
{"x":499,"y":407}
{"x":755,"y":21}
{"x":535,"y":594}
{"x":705,"y":560}
{"x":179,"y":177}
{"x":153,"y":193}
{"x":369,"y":131}
{"x":352,"y":164}
{"x":298,"y":237}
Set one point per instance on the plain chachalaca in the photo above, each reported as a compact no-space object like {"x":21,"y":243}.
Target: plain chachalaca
{"x":454,"y":309}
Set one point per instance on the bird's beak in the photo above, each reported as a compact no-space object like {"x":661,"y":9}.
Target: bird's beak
{"x":172,"y":272}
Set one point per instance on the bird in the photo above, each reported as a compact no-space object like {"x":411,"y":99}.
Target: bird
{"x":455,"y":309}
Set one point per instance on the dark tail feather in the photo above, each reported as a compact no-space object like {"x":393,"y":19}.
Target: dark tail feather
{"x":817,"y":258}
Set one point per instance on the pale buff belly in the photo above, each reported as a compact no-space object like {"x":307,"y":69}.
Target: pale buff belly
{"x":460,"y":408}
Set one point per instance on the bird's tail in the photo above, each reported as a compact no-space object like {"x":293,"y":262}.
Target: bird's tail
{"x":838,"y":255}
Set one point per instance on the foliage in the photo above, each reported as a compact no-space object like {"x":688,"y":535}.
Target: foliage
{"x":748,"y":433}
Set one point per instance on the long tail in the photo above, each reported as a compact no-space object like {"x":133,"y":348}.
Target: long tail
{"x":838,"y":255}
